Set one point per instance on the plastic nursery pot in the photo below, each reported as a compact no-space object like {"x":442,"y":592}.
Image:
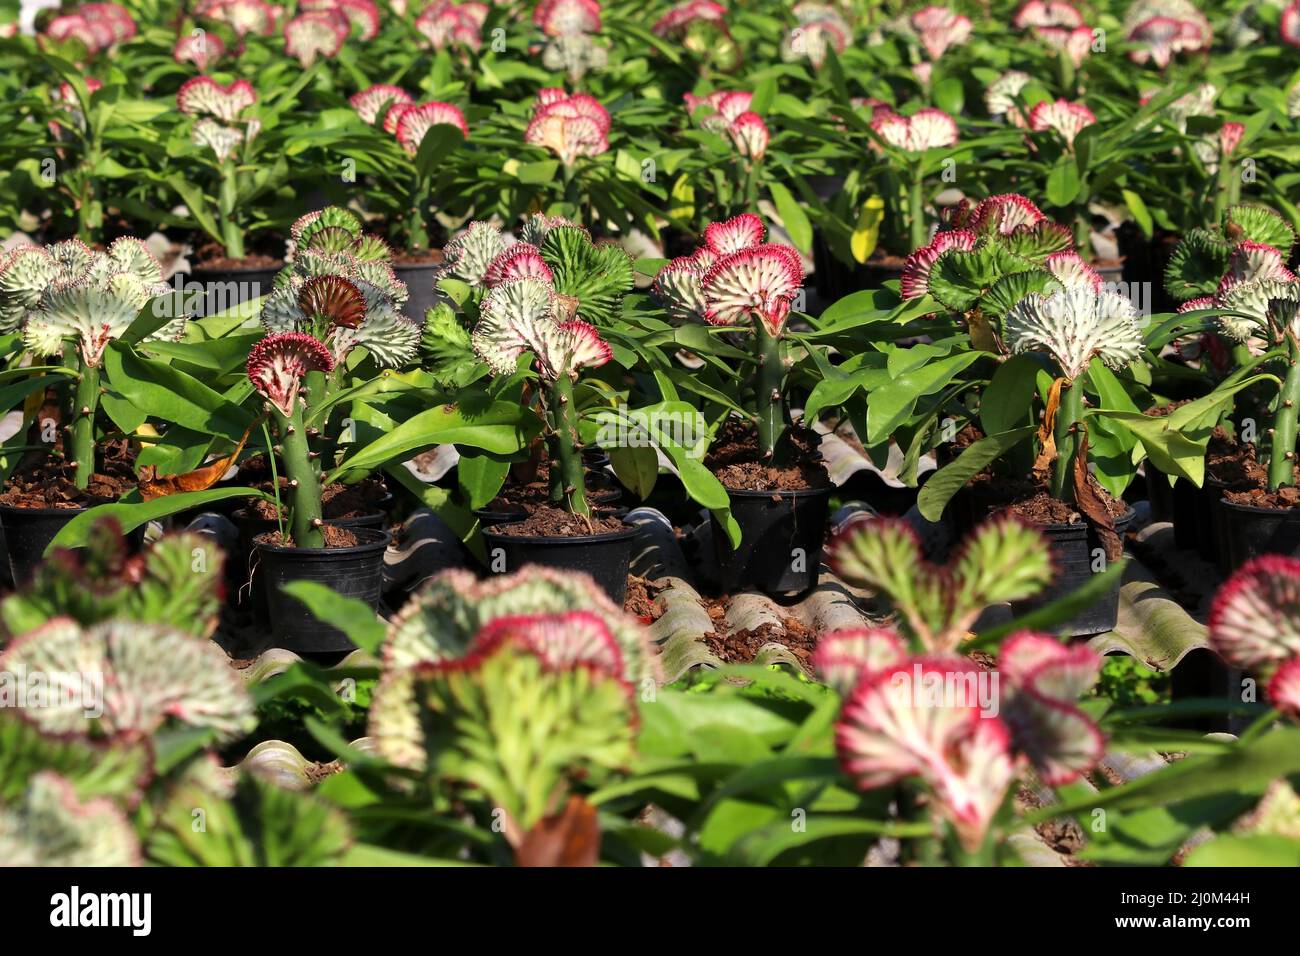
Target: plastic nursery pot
{"x":1075,"y":550}
{"x":226,"y":288}
{"x":1212,"y":525}
{"x":27,"y":532}
{"x":781,"y":536}
{"x":605,"y":498}
{"x":1179,"y":504}
{"x":605,"y":557}
{"x":421,"y":285}
{"x":1252,"y":531}
{"x":355,"y":572}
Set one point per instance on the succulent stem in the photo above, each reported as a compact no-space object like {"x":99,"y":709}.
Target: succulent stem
{"x":769,"y":402}
{"x":1281,"y":466}
{"x":85,"y":401}
{"x":304,"y":489}
{"x":1068,"y":416}
{"x":567,"y":481}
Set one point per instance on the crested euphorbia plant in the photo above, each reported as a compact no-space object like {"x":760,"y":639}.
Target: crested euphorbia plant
{"x":68,"y":300}
{"x":1255,"y":625}
{"x":728,"y":114}
{"x":700,"y":26}
{"x":737,"y":280}
{"x":427,"y":133}
{"x":916,"y":709}
{"x":568,"y":37}
{"x":818,"y":29}
{"x":913,"y":148}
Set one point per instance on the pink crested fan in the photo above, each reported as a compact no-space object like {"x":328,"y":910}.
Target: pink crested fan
{"x":1229,"y":136}
{"x":921,"y":718}
{"x":1047,"y":13}
{"x":362,"y":16}
{"x":201,"y":49}
{"x":315,"y":34}
{"x":1160,"y":38}
{"x":446,"y":23}
{"x":203,"y":95}
{"x":756,"y":283}
{"x":1041,"y":683}
{"x":560,"y":640}
{"x":375,"y":102}
{"x":1075,"y":41}
{"x":558,"y":18}
{"x":1252,"y":262}
{"x":741,"y":232}
{"x":926,"y":129}
{"x":844,"y":658}
{"x":1066,"y":118}
{"x":750,"y":136}
{"x":1289,"y":24}
{"x":414,"y":123}
{"x":679,"y":19}
{"x":939,"y":28}
{"x":729,"y":105}
{"x":915,"y":281}
{"x":277,"y":364}
{"x":1071,"y":271}
{"x":1006,"y":213}
{"x":1254,"y":624}
{"x":243,"y":16}
{"x":569,"y":126}
{"x":518,"y":261}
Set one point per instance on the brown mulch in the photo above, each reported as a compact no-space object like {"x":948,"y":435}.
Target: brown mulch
{"x":418,"y":258}
{"x":50,"y":483}
{"x":226,"y":264}
{"x":337,"y":500}
{"x":548,"y":522}
{"x":526,"y":496}
{"x":335,"y":537}
{"x":741,"y":647}
{"x":1062,"y":834}
{"x":640,"y":600}
{"x":734,"y":460}
{"x":1238,"y":467}
{"x":316,"y":772}
{"x":1030,"y":500}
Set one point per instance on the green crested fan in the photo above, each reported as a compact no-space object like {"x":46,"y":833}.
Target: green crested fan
{"x":597,"y":275}
{"x":305,"y":228}
{"x":25,"y":275}
{"x":958,"y":278}
{"x":116,"y":768}
{"x":331,"y":239}
{"x":1011,"y":289}
{"x":52,"y":826}
{"x":259,"y":824}
{"x":1259,"y":224}
{"x":84,"y":313}
{"x":151,"y":674}
{"x":1197,"y":264}
{"x":391,"y":338}
{"x":446,"y":347}
{"x":1038,"y":241}
{"x":1252,"y":300}
{"x":369,"y":248}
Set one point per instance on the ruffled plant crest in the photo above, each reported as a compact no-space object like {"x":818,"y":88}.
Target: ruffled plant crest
{"x":1254,"y":624}
{"x":217,"y":112}
{"x":568,"y":30}
{"x":152,"y":675}
{"x":818,"y":29}
{"x":201,"y":50}
{"x":339,"y":287}
{"x":928,"y":128}
{"x":1002,"y":561}
{"x":96,"y":27}
{"x":1208,"y":263}
{"x":245,"y":17}
{"x":1000,"y":97}
{"x":569,"y":126}
{"x":700,"y":26}
{"x":278,"y":363}
{"x":445,"y":24}
{"x":1065,"y":118}
{"x":728,"y":114}
{"x":53,"y":825}
{"x":1162,"y":29}
{"x":939,"y":28}
{"x":315,"y":34}
{"x":1074,"y":326}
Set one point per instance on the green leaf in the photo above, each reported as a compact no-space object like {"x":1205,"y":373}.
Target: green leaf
{"x":792,"y":216}
{"x":889,"y":405}
{"x":951,"y":478}
{"x":354,"y":618}
{"x":1256,"y":850}
{"x":75,"y":533}
{"x":1007,"y":401}
{"x":437,"y":144}
{"x":1141,"y":215}
{"x":1063,"y":182}
{"x":171,"y":395}
{"x":480,"y":478}
{"x":637,"y":468}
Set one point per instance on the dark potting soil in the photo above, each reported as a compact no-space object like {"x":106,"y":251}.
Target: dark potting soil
{"x":734,"y":460}
{"x":1161,"y":411}
{"x":419,"y":258}
{"x":337,"y":500}
{"x":1246,"y":478}
{"x":1031,"y":501}
{"x":221,"y":263}
{"x":639,"y":600}
{"x":741,"y":647}
{"x":536,"y":492}
{"x":548,"y":522}
{"x":50,"y":483}
{"x":335,"y":537}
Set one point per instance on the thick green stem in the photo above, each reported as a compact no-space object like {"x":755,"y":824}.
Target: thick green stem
{"x":417,"y":236}
{"x":568,"y":479}
{"x":1083,"y":230}
{"x":1068,"y":415}
{"x":768,"y":400}
{"x":916,"y":210}
{"x":85,"y":402}
{"x":304,"y":484}
{"x":232,"y":237}
{"x":1281,"y":455}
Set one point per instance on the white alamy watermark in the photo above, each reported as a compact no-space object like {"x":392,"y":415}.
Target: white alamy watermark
{"x":131,"y":910}
{"x":54,"y":690}
{"x":932,"y":689}
{"x":190,"y":297}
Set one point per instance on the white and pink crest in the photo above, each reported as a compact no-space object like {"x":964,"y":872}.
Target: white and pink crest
{"x":317,"y":33}
{"x":915,"y":280}
{"x":203,"y":95}
{"x":1066,"y":118}
{"x":416,"y":121}
{"x":758,"y":283}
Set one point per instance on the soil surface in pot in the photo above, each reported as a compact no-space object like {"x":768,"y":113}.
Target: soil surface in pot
{"x":537,"y":492}
{"x":220,"y":263}
{"x":50,"y":482}
{"x":1031,"y":501}
{"x":547,"y":522}
{"x":1245,"y":476}
{"x":337,"y":500}
{"x":734,"y":459}
{"x":335,"y":537}
{"x":422,"y":257}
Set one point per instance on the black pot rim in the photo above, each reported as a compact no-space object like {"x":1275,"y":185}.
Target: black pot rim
{"x":241,"y":514}
{"x":207,"y":271}
{"x":47,"y":512}
{"x":1259,"y":509}
{"x":379,"y":544}
{"x":628,"y":531}
{"x":784,"y":493}
{"x":1125,"y":518}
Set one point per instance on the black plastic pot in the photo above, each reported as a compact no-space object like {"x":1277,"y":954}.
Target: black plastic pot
{"x":421,"y":285}
{"x":603,"y":556}
{"x":606,"y":497}
{"x":27,"y":532}
{"x":1212,"y":526}
{"x":781,"y":536}
{"x":1252,"y":531}
{"x":1074,"y":549}
{"x":1179,"y":504}
{"x":356,"y":572}
{"x":227,"y":288}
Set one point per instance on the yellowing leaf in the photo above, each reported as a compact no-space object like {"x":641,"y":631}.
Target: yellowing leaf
{"x":681,"y":204}
{"x":867,"y":232}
